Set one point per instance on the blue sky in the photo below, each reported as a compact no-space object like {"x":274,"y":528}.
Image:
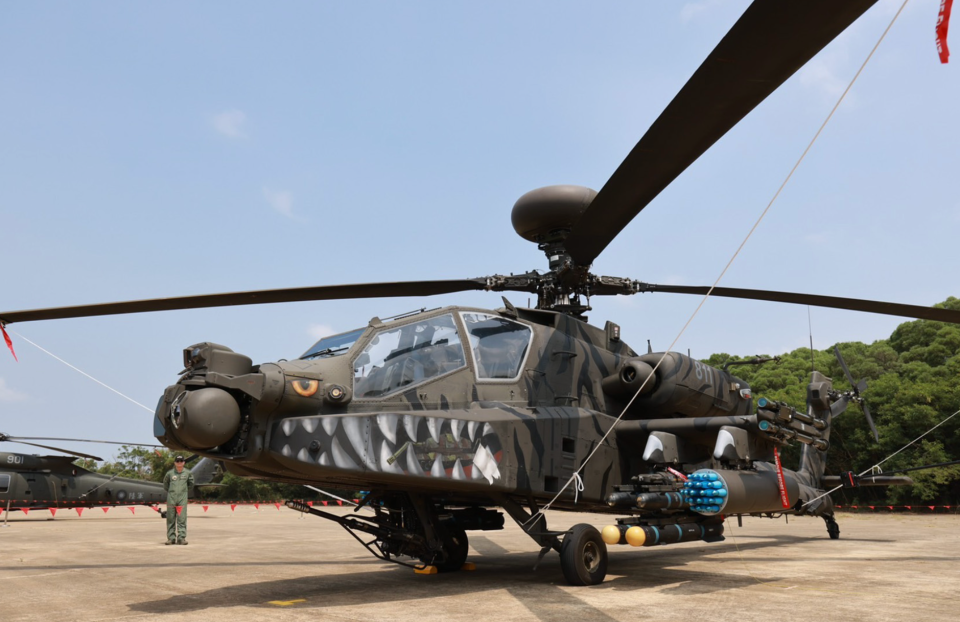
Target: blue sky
{"x":173,"y":149}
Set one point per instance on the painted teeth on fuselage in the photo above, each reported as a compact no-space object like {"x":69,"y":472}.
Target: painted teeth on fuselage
{"x":367,"y":442}
{"x":433,"y":425}
{"x":457,"y":472}
{"x":413,"y":465}
{"x":329,"y":425}
{"x":410,"y":424}
{"x":437,"y":469}
{"x":341,"y":458}
{"x":387,"y":422}
{"x":385,"y":455}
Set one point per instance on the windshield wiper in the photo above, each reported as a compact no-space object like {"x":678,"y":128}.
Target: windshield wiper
{"x":324,"y":352}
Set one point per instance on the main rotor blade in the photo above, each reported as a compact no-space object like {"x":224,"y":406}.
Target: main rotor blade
{"x":832,"y":302}
{"x":873,"y":426}
{"x":60,"y":449}
{"x":264,"y":296}
{"x":17,"y":439}
{"x":768,"y":44}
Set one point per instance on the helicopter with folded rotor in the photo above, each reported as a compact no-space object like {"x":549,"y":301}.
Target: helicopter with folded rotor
{"x":450,"y":417}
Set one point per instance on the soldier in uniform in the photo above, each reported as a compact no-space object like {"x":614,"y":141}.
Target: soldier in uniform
{"x":177,"y":482}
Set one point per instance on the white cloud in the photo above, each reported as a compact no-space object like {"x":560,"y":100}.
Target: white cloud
{"x":319,"y":331}
{"x":9,"y":395}
{"x":280,"y":200}
{"x":230,"y":123}
{"x":693,"y":10}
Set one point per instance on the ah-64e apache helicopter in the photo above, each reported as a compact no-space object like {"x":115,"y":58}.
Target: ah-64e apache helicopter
{"x":447,"y":415}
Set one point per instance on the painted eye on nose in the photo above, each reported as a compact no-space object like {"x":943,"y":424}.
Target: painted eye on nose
{"x":304,"y":387}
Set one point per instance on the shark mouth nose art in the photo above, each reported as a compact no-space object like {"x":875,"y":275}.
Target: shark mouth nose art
{"x":401,"y":444}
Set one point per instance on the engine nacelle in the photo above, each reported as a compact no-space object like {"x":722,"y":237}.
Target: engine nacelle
{"x":683,"y":387}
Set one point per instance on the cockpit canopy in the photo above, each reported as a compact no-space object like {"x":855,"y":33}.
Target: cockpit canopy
{"x":397,"y":357}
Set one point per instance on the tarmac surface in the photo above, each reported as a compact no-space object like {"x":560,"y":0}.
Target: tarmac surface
{"x":276,"y":565}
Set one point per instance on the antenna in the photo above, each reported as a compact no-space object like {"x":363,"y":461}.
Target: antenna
{"x":813,"y":365}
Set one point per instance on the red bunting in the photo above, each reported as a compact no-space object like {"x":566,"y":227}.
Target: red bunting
{"x":256,"y":505}
{"x":79,"y":511}
{"x":310,"y":503}
{"x":6,"y":338}
{"x":339,"y":502}
{"x":278,"y":506}
{"x":155,"y":508}
{"x":205,"y":507}
{"x":324,"y":502}
{"x":53,"y":511}
{"x":104,"y":510}
{"x":233,"y":506}
{"x":25,"y":510}
{"x":943,"y":23}
{"x":871,"y":507}
{"x":357,"y":501}
{"x":932,"y":507}
{"x":179,"y":509}
{"x":133,"y":510}
{"x":909,"y":507}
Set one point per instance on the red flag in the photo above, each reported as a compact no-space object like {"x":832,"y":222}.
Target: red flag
{"x":310,"y":503}
{"x":179,"y":509}
{"x":871,"y":507}
{"x":6,"y":338}
{"x":890,"y":506}
{"x":932,"y":507}
{"x":256,"y":505}
{"x":155,"y":508}
{"x":79,"y":511}
{"x":25,"y":510}
{"x":205,"y":507}
{"x":278,"y":506}
{"x":323,"y":502}
{"x":104,"y":510}
{"x":943,"y":23}
{"x":233,"y":506}
{"x":133,"y":510}
{"x":339,"y":502}
{"x":781,"y":484}
{"x":909,"y":507}
{"x":357,"y":501}
{"x":53,"y":511}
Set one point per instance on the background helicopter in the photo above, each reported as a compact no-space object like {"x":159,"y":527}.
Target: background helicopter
{"x":523,"y":286}
{"x":29,"y":481}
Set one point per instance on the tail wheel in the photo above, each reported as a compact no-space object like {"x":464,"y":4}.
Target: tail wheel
{"x":583,"y":556}
{"x":455,"y":546}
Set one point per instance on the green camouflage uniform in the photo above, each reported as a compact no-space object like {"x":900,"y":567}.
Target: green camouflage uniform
{"x":178,"y":486}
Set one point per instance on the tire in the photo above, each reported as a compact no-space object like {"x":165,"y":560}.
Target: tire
{"x":456,"y":546}
{"x":583,"y":556}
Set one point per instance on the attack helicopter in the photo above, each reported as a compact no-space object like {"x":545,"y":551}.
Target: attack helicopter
{"x":448,"y":415}
{"x":31,"y":482}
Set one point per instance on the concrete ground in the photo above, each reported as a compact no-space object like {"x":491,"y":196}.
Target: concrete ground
{"x":274,"y":564}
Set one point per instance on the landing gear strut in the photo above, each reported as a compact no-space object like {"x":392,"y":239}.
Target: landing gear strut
{"x":833,"y":529}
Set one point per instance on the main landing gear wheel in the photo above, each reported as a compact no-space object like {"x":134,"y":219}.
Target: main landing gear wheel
{"x":583,"y":556}
{"x":456,"y":546}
